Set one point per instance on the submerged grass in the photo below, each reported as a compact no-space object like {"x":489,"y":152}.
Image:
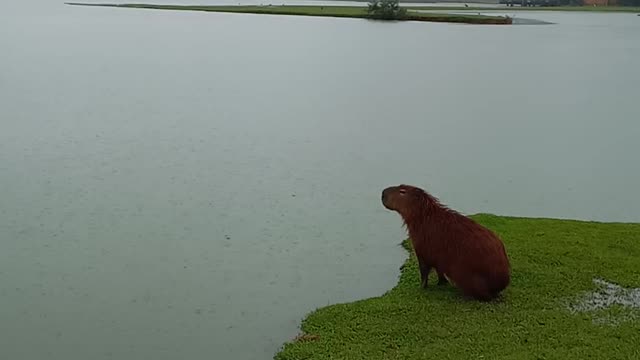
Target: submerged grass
{"x":554,"y":264}
{"x":624,"y":9}
{"x":324,"y":11}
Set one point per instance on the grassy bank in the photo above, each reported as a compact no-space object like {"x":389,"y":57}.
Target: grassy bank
{"x":326,"y":11}
{"x":622,"y":9}
{"x":553,"y":261}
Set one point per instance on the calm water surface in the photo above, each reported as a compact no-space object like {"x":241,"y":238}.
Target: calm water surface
{"x":190,"y":185}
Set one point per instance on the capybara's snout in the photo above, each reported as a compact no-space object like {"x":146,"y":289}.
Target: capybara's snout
{"x":386,"y":197}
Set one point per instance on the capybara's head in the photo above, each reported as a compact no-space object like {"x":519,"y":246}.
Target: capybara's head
{"x":402,"y":198}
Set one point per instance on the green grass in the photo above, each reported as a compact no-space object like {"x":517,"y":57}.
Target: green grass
{"x":626,"y":9}
{"x":554,"y":262}
{"x":325,"y":11}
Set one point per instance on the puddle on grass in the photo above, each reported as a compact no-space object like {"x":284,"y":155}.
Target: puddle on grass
{"x":609,"y":296}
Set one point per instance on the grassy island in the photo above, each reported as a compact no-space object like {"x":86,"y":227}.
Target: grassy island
{"x":326,"y":11}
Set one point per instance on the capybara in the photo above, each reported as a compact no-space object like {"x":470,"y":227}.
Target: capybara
{"x":466,"y":253}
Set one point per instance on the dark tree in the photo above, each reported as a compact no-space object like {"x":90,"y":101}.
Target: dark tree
{"x":386,"y":10}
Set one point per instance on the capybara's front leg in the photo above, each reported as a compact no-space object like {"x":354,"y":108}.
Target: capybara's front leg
{"x":424,"y":272}
{"x":442,"y":280}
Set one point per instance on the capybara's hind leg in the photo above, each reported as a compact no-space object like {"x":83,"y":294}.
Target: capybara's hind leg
{"x":476,"y":286}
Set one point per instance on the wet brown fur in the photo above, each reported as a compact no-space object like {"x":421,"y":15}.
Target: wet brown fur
{"x":466,"y":253}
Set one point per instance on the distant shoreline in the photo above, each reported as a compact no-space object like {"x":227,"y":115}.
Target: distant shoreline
{"x":497,"y":8}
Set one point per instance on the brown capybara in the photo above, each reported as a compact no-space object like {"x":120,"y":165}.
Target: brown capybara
{"x":466,"y":253}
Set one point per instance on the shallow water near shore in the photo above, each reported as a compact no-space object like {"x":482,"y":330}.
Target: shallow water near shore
{"x":182,"y":185}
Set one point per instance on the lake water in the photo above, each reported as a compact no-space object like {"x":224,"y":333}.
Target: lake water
{"x":185,"y":185}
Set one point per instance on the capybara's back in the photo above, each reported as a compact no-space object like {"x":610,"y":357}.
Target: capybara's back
{"x":466,"y":253}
